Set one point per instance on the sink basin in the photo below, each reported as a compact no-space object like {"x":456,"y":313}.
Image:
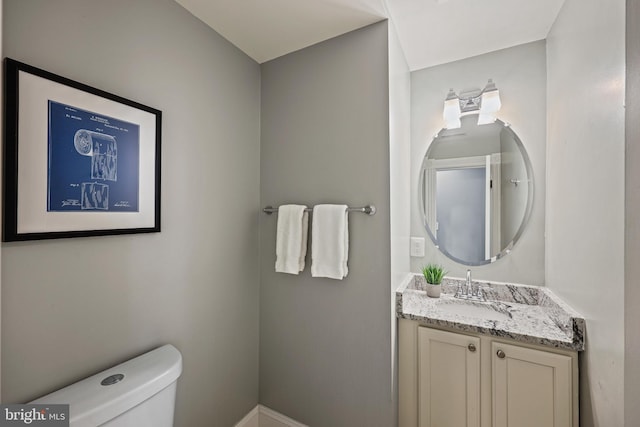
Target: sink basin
{"x":478,"y":310}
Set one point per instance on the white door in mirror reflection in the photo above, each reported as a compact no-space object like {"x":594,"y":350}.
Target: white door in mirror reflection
{"x":461,"y":228}
{"x":461,"y":207}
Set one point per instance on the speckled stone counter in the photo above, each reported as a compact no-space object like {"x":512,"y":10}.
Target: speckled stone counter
{"x":528,"y":314}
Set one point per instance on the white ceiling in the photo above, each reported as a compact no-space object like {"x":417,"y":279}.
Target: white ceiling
{"x":431,"y":32}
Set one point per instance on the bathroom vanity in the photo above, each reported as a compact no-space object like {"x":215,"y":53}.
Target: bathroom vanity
{"x":509,"y":361}
{"x":483,"y":354}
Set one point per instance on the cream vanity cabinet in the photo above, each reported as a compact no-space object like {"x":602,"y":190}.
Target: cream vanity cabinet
{"x":453,"y":379}
{"x":448,"y":379}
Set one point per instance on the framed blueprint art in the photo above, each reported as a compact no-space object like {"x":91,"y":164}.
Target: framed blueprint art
{"x":78,"y":161}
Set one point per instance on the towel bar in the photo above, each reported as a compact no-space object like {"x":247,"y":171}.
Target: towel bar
{"x":369,"y":210}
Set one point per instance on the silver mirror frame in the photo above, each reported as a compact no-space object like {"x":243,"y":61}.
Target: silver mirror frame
{"x":527,"y":213}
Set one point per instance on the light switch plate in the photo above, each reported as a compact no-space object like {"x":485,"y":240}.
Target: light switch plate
{"x":417,"y":246}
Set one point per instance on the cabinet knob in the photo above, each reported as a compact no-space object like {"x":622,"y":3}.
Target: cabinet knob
{"x":501,"y":354}
{"x":472,"y":347}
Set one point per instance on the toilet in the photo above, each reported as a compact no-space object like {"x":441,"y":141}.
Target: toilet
{"x":137,"y":393}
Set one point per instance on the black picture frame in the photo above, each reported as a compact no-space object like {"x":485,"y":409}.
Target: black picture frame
{"x":50,"y":190}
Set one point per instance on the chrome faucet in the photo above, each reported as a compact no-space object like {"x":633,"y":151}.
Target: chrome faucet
{"x":467,"y":291}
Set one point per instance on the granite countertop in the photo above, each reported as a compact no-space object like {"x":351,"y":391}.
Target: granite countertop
{"x":529,"y":314}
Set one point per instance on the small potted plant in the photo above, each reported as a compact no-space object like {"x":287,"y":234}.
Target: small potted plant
{"x":433,"y":274}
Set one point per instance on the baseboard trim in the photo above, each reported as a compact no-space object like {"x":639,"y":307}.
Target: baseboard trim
{"x":260,"y":413}
{"x":252,"y":419}
{"x":276,"y":416}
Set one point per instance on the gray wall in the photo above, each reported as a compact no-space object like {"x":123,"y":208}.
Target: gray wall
{"x":586,"y":190}
{"x":324,"y":344}
{"x":520,"y":75}
{"x":400,"y":158}
{"x":632,"y":221}
{"x":399,"y":179}
{"x":195,"y":284}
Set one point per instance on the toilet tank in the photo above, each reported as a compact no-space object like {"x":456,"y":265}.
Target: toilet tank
{"x":137,"y":393}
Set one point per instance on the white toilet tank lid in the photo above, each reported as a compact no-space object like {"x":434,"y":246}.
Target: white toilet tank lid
{"x":92,"y":403}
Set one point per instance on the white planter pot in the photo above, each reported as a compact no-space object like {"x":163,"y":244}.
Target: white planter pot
{"x":433,"y":291}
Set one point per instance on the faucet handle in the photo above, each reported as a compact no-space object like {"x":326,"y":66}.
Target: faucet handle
{"x":480,"y":293}
{"x":459,"y":290}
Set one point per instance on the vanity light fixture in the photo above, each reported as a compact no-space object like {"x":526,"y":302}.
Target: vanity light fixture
{"x":486,"y":102}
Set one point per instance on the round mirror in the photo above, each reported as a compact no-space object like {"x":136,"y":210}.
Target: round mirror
{"x":476,"y":191}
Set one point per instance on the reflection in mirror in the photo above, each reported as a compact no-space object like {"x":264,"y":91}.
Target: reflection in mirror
{"x":476,"y":191}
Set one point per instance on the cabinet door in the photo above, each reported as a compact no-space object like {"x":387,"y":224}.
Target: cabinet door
{"x":531,"y":388}
{"x":449,"y":379}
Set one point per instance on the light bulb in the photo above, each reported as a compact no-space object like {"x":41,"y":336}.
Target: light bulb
{"x":490,"y":101}
{"x":451,"y":112}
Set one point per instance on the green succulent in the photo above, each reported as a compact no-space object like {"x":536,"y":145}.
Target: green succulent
{"x":433,"y":273}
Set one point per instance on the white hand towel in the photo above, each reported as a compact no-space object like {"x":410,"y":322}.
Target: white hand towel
{"x":291,"y":238}
{"x":330,"y":241}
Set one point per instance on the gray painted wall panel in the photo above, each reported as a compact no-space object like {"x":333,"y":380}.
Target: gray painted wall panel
{"x":632,"y":220}
{"x":324,"y":344}
{"x":400,"y":173}
{"x":586,"y":192}
{"x":74,"y":307}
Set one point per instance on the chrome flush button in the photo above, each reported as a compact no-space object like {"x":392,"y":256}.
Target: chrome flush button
{"x":111,"y":380}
